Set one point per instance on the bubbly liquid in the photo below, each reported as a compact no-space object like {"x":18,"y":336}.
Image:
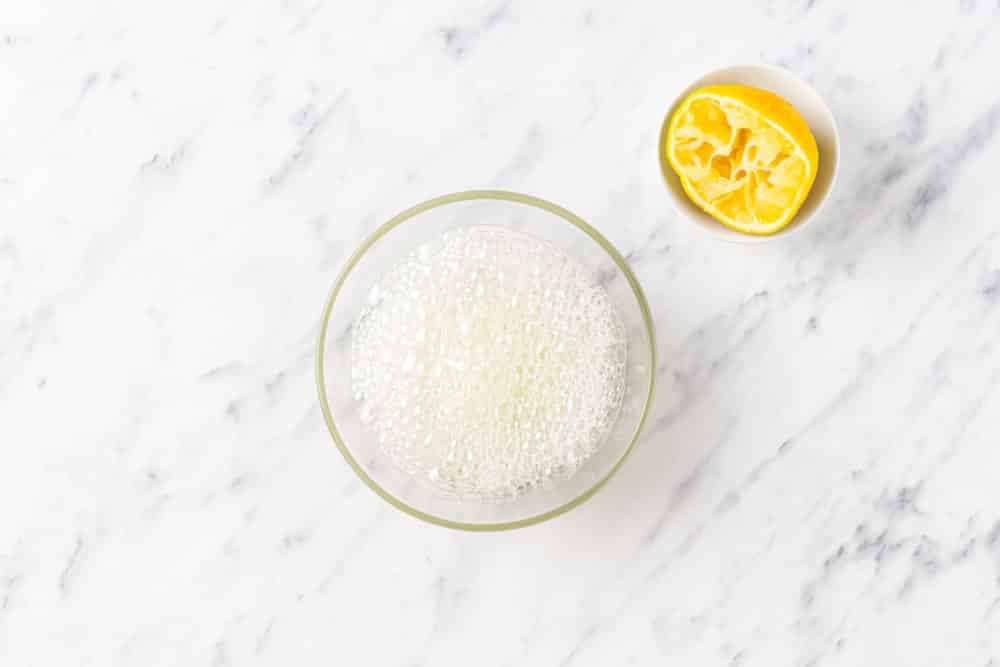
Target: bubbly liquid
{"x":488,"y":362}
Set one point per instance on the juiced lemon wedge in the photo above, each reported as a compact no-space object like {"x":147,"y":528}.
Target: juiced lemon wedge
{"x":744,"y":155}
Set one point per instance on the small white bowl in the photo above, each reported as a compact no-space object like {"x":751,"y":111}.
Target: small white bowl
{"x":816,"y":113}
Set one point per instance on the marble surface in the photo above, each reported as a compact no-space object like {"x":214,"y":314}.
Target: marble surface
{"x":179,"y":182}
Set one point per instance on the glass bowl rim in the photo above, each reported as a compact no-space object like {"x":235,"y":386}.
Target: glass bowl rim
{"x":465,"y":196}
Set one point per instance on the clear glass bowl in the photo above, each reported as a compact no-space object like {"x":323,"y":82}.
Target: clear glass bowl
{"x":384,"y":249}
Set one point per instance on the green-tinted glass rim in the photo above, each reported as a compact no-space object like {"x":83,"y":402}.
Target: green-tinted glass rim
{"x":471,"y":195}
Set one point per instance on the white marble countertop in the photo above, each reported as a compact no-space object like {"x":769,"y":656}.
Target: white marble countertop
{"x":179,"y":182}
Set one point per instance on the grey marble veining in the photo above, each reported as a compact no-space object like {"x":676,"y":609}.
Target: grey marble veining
{"x":179,"y":183}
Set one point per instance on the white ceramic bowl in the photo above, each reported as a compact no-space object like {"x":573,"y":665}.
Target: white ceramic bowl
{"x":816,"y":113}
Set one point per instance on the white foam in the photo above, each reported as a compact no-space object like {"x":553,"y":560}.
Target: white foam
{"x":488,"y":362}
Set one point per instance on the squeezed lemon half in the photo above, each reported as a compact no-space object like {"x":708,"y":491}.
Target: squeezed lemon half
{"x":743,"y":155}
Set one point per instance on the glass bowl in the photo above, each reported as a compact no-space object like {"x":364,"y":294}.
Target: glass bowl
{"x":383,"y":250}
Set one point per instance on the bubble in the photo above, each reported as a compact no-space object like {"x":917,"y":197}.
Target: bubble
{"x":489,"y":363}
{"x":409,"y":362}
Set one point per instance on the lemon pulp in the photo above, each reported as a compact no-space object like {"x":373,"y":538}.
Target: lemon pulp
{"x":744,"y":155}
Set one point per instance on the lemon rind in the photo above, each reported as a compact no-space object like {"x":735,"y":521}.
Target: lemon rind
{"x":759,"y":230}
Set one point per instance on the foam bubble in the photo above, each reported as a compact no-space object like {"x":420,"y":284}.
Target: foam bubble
{"x":488,"y":363}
